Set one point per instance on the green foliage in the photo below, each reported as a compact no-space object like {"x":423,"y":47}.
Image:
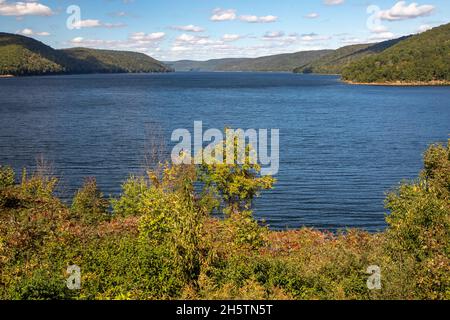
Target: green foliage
{"x":41,"y":285}
{"x":88,"y":204}
{"x":247,"y":230}
{"x":280,"y":62}
{"x":419,"y":224}
{"x":170,"y":216}
{"x":236,"y":185}
{"x":21,"y":55}
{"x":7,"y":177}
{"x":420,"y":58}
{"x":109,"y":61}
{"x":161,"y":243}
{"x":335,"y":61}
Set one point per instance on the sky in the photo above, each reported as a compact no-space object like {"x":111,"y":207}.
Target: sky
{"x":171,"y":30}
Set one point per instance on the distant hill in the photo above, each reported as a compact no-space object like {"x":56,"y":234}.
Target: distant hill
{"x":280,"y":62}
{"x":420,"y":58}
{"x":210,"y":65}
{"x":335,"y":61}
{"x":104,"y":61}
{"x":20,"y":55}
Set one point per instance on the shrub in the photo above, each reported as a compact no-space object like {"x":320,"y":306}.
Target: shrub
{"x":419,"y":224}
{"x":7,"y":177}
{"x":88,"y":205}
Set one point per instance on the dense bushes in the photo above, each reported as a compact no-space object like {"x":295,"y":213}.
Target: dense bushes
{"x":161,"y":241}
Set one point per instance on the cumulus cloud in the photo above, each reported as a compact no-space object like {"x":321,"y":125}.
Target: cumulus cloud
{"x":31,"y":32}
{"x":231,"y":37}
{"x":423,"y":28}
{"x":93,"y":23}
{"x":138,"y":41}
{"x":312,"y":15}
{"x":223,"y":14}
{"x":189,"y":28}
{"x":256,"y":19}
{"x":313,"y":37}
{"x":189,"y":39}
{"x":402,"y":11}
{"x":333,"y":2}
{"x":30,"y":8}
{"x":378,"y":28}
{"x":147,"y":37}
{"x":382,"y":36}
{"x":273,"y":34}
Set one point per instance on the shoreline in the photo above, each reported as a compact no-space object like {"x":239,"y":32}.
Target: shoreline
{"x":401,"y":84}
{"x":6,"y":76}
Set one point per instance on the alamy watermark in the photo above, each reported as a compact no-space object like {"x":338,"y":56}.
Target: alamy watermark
{"x":235,"y":146}
{"x":374,"y":281}
{"x":73,"y":282}
{"x":74,"y":19}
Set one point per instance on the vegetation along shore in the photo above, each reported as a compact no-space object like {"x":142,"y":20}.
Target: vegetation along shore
{"x":161,"y":240}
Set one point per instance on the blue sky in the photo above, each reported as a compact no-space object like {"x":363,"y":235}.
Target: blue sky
{"x":205,"y":29}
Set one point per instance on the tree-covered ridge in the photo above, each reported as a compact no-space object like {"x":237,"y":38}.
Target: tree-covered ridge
{"x":335,"y":61}
{"x":20,"y":55}
{"x":96,"y":60}
{"x":280,"y":62}
{"x":423,"y":58}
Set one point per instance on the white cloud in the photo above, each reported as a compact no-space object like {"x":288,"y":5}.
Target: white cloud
{"x":77,"y":40}
{"x":333,"y":2}
{"x":256,"y":19}
{"x":179,"y":49}
{"x":351,"y":40}
{"x":402,"y":11}
{"x":31,"y":32}
{"x":93,"y":23}
{"x":382,"y":36}
{"x":273,"y":34}
{"x":139,"y":41}
{"x":189,"y":28}
{"x":378,"y":28}
{"x":143,"y":37}
{"x":30,"y":8}
{"x":90,"y":23}
{"x":312,"y":15}
{"x":423,"y":28}
{"x":189,"y":39}
{"x":313,"y":37}
{"x":231,"y":37}
{"x":223,"y":15}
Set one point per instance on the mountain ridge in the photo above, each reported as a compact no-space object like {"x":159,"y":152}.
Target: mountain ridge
{"x":21,"y":56}
{"x":284,"y":62}
{"x":420,"y":59}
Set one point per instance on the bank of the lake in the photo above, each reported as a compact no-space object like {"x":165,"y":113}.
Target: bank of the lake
{"x":402,"y":83}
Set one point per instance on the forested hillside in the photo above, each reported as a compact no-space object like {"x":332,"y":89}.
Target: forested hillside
{"x":20,"y":55}
{"x":335,"y":61}
{"x":419,"y":59}
{"x":280,"y":62}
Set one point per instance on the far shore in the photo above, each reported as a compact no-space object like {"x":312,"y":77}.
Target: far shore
{"x":401,"y":83}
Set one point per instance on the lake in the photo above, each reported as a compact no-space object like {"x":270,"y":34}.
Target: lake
{"x":342,"y":147}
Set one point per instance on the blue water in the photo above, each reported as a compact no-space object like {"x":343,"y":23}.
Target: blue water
{"x":341,"y":147}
